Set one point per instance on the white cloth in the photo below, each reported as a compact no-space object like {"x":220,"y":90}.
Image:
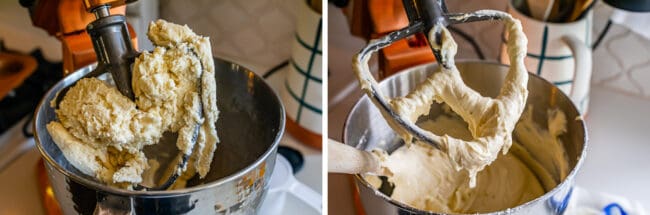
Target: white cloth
{"x":584,"y":202}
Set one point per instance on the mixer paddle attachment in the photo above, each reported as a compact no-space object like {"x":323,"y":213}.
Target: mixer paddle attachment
{"x":431,"y":18}
{"x":116,"y":55}
{"x":181,"y":165}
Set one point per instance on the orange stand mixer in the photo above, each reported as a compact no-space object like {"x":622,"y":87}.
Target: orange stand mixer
{"x":80,"y":26}
{"x":376,"y":18}
{"x":68,"y":23}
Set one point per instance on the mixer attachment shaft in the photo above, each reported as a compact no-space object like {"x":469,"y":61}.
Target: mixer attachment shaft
{"x":115,"y":53}
{"x":433,"y":14}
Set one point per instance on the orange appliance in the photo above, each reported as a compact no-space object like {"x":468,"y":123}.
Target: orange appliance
{"x":375,"y":18}
{"x":68,"y":20}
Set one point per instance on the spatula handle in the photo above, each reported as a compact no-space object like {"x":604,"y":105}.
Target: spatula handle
{"x":346,"y":159}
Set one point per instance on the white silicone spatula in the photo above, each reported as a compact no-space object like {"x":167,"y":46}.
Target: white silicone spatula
{"x":347,"y":159}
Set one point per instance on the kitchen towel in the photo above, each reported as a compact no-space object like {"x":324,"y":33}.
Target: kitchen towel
{"x":254,"y":34}
{"x":584,"y":202}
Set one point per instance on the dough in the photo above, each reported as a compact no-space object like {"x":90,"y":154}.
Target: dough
{"x":188,"y":58}
{"x":102,"y":133}
{"x":424,"y":178}
{"x":490,"y":121}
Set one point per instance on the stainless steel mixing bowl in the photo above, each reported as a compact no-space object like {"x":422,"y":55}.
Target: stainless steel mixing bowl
{"x":250,"y":125}
{"x":366,"y":129}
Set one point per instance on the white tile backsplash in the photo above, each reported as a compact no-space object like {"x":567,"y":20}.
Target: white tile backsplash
{"x":139,"y":14}
{"x":256,"y":34}
{"x":486,"y":34}
{"x":622,"y":60}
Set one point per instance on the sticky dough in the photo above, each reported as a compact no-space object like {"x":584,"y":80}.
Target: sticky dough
{"x":490,"y":121}
{"x":102,"y":133}
{"x":424,"y":178}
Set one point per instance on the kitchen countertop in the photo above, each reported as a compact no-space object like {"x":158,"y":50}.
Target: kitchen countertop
{"x":618,"y":147}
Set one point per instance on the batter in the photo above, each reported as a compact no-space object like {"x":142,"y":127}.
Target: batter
{"x":102,"y":133}
{"x":511,"y":180}
{"x":490,"y":121}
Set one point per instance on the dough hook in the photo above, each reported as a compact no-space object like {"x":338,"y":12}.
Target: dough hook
{"x":424,"y":16}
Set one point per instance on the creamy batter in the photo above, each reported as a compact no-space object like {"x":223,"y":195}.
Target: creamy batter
{"x":102,"y":133}
{"x":490,"y":121}
{"x":424,"y":178}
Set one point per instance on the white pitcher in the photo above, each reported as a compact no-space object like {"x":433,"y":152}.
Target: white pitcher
{"x":559,"y":52}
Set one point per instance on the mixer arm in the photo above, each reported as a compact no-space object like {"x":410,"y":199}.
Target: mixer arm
{"x":430,"y":12}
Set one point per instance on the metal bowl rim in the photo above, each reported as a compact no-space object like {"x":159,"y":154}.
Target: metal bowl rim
{"x":166,"y":193}
{"x":359,"y":178}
